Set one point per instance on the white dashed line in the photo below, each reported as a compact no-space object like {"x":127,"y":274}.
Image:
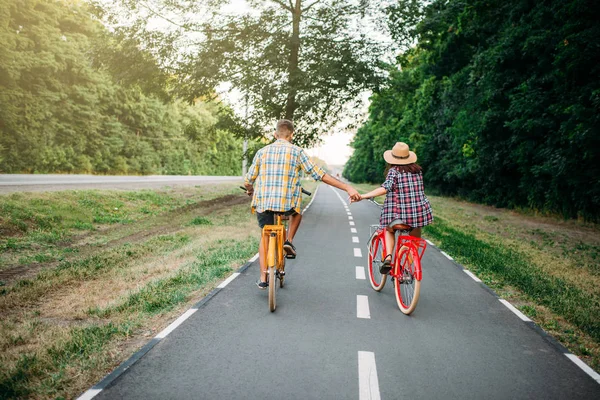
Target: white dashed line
{"x":338,"y":195}
{"x":360,"y":273}
{"x":349,"y":213}
{"x":368,"y":384}
{"x":357,"y":252}
{"x":353,"y":230}
{"x":593,"y":374}
{"x":228,"y":280}
{"x":514,"y":310}
{"x":476,"y":279}
{"x":176,"y":323}
{"x":351,"y":223}
{"x":354,"y":239}
{"x":447,"y":256}
{"x":350,"y":217}
{"x":362,"y":307}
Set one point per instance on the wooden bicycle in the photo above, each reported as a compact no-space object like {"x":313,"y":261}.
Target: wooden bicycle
{"x":276,"y":235}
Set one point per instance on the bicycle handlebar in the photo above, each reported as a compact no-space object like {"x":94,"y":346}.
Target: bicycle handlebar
{"x":306,"y":192}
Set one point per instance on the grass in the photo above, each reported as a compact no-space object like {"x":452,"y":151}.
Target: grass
{"x":87,"y":294}
{"x":546,"y":266}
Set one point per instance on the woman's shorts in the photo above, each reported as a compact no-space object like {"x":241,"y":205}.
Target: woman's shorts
{"x":397,"y":222}
{"x":268,"y":217}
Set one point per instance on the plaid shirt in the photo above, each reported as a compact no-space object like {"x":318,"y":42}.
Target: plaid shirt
{"x":405,"y":200}
{"x":275,"y":172}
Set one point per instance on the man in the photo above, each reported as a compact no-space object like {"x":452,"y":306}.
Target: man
{"x":275,"y":171}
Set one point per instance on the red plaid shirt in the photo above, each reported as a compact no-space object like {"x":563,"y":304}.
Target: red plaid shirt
{"x":405,"y":200}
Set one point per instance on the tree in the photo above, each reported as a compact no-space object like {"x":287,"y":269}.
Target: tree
{"x":500,"y":99}
{"x":301,"y":60}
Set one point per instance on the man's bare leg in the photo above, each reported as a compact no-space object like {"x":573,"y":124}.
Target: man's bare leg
{"x":293,"y":227}
{"x":262,"y":256}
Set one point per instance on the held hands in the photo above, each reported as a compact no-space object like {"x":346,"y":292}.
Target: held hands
{"x":353,"y":194}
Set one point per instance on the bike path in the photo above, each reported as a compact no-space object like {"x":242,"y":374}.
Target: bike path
{"x":461,"y":342}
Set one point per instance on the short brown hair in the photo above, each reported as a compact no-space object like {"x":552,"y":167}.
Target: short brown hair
{"x":284,"y":124}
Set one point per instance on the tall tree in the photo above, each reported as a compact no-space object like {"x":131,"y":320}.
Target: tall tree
{"x":298,"y":59}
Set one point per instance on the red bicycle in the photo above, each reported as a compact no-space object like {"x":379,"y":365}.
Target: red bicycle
{"x":406,"y":266}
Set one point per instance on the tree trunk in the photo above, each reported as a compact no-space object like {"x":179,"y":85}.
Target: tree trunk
{"x":293,"y":71}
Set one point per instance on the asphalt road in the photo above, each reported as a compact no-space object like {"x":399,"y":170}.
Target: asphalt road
{"x":460,"y":343}
{"x":10,"y":183}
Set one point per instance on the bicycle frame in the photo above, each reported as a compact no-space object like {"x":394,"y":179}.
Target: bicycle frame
{"x":275,"y":235}
{"x":417,"y":244}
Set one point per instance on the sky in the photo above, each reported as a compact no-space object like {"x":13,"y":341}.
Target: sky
{"x":335,"y":149}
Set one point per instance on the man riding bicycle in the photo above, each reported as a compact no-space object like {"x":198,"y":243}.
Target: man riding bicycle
{"x":275,"y":171}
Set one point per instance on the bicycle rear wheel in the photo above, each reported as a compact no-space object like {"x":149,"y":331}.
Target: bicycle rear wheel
{"x":272,"y":289}
{"x":282,"y":273}
{"x":376,"y":278}
{"x":406,"y":285}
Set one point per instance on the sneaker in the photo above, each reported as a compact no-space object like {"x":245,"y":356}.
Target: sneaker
{"x":386,"y":267}
{"x":262,"y":285}
{"x":290,"y":250}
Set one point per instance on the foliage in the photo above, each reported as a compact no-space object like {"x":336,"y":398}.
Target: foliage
{"x":500,"y":100}
{"x":301,"y":60}
{"x":75,"y":97}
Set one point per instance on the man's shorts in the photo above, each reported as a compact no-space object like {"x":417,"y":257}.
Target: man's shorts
{"x":268,"y":217}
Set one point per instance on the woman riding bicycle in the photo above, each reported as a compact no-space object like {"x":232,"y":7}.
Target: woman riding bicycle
{"x":406,"y":207}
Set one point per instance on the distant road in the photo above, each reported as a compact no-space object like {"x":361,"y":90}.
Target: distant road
{"x":38,"y":183}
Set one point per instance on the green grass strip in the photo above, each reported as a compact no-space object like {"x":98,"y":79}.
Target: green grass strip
{"x":162,"y":295}
{"x":509,"y":266}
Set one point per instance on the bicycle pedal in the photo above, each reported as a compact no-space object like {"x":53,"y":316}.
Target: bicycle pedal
{"x":290,"y":256}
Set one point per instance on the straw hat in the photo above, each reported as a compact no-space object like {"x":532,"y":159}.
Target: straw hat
{"x":400,"y":155}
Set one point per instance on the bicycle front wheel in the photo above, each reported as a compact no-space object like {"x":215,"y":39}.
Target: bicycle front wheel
{"x":272,"y":289}
{"x":407,"y":286}
{"x":375,"y":261}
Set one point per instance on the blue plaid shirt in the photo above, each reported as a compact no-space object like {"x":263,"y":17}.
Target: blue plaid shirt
{"x":275,"y":174}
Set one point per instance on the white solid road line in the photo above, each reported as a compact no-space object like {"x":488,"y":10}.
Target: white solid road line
{"x":254,"y":258}
{"x":89,"y":394}
{"x":593,"y":374}
{"x":514,"y":310}
{"x":176,"y":323}
{"x":368,"y":384}
{"x":226,"y":281}
{"x":355,"y":239}
{"x":447,"y":256}
{"x":353,"y":230}
{"x":362,"y":307}
{"x":357,"y":252}
{"x":429,"y":242}
{"x":360,"y":273}
{"x":311,"y":200}
{"x":476,"y":279}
